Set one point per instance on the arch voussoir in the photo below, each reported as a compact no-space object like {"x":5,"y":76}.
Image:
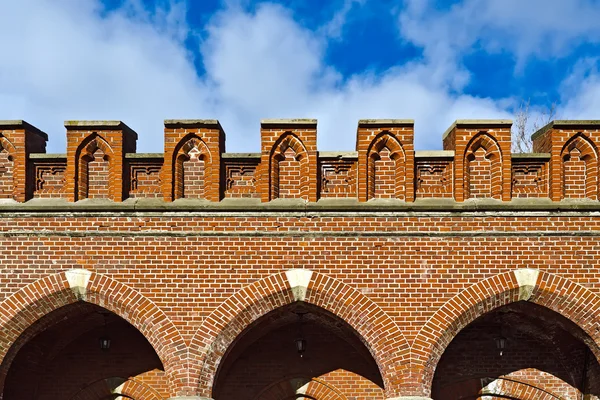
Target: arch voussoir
{"x":551,"y":291}
{"x":218,"y":332}
{"x":23,"y":309}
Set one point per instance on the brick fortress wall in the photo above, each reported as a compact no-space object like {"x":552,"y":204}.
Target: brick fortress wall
{"x":194,"y":246}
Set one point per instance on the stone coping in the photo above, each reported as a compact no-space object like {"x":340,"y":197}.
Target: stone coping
{"x":334,"y":205}
{"x":99,"y":124}
{"x":47,"y":156}
{"x":545,"y":156}
{"x":338,"y":154}
{"x":564,"y":123}
{"x":240,"y":155}
{"x":145,"y":155}
{"x":193,"y":123}
{"x":20,"y":124}
{"x":476,"y":123}
{"x":385,"y":122}
{"x":299,"y":122}
{"x":434,"y":154}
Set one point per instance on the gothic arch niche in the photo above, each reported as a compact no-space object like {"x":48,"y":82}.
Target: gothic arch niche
{"x":6,"y":168}
{"x":60,"y":354}
{"x":483,"y":168}
{"x":386,"y":168}
{"x":579,"y":169}
{"x":289,"y":168}
{"x":543,"y":348}
{"x":192,"y":169}
{"x":93,"y":173}
{"x":263,"y":362}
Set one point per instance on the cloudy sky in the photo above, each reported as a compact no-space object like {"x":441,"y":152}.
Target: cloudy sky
{"x":142,"y":61}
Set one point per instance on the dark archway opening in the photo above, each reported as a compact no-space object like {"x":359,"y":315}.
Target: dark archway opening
{"x":60,"y":357}
{"x":264,"y":363}
{"x":546,"y":356}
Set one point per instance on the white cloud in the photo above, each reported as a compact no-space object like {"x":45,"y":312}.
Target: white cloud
{"x":581,"y":91}
{"x":70,"y":60}
{"x":541,"y":28}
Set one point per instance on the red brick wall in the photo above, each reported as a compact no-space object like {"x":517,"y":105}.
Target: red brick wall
{"x":193,"y":277}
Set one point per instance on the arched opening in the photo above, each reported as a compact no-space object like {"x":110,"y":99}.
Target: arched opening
{"x":80,"y":351}
{"x":265,"y":363}
{"x":519,"y":351}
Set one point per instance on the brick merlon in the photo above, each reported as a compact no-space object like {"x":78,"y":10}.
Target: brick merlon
{"x":20,"y":124}
{"x":581,"y":123}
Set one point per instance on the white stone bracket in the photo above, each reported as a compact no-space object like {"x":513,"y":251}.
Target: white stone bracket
{"x":78,"y":281}
{"x":299,"y":280}
{"x":527,"y":280}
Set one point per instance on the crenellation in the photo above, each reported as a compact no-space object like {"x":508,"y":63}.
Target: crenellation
{"x":475,"y":163}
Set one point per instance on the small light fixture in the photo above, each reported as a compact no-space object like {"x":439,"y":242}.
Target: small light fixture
{"x":501,"y":344}
{"x":300,"y":341}
{"x":104,"y":340}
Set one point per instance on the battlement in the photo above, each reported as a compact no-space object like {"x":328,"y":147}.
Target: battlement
{"x":101,"y":163}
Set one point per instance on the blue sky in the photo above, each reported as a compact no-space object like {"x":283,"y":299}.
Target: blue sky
{"x":338,"y":61}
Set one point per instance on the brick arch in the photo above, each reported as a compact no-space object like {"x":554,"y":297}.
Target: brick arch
{"x":377,"y":330}
{"x":563,"y":296}
{"x":319,"y":389}
{"x":385,"y":140}
{"x":181,"y":155}
{"x":84,"y":155}
{"x":516,"y":389}
{"x":7,"y":145}
{"x":288,"y":141}
{"x":585,"y":151}
{"x":129,"y":388}
{"x":25,"y":307}
{"x":474,"y":183}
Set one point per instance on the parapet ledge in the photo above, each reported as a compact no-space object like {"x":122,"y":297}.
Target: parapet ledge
{"x":434,"y":154}
{"x":478,"y":123}
{"x":193,"y":123}
{"x":145,"y":155}
{"x":240,"y":155}
{"x":330,"y":205}
{"x":20,"y":124}
{"x":375,"y":123}
{"x":47,"y":156}
{"x":338,"y":154}
{"x":100,"y":125}
{"x":289,"y":123}
{"x":543,"y":156}
{"x":565,"y":124}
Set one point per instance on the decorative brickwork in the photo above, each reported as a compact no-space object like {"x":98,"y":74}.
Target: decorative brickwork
{"x":482,"y":159}
{"x":288,"y":160}
{"x":95,"y":159}
{"x":49,"y":175}
{"x":192,"y":167}
{"x":338,"y":177}
{"x":530,"y":176}
{"x":144,"y":177}
{"x":385,"y":159}
{"x":434,"y":177}
{"x":241,"y":177}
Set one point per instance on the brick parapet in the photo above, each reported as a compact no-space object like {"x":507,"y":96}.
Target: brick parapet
{"x":476,"y":164}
